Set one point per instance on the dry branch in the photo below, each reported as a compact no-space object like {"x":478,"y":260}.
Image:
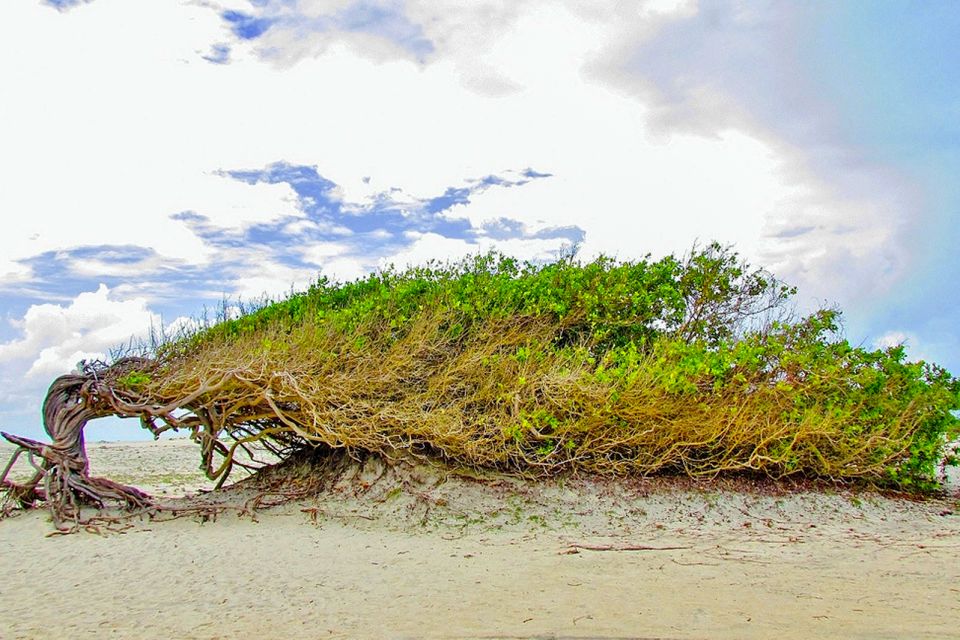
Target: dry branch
{"x":575,"y":547}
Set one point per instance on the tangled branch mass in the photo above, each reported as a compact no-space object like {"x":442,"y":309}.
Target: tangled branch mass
{"x":692,"y":366}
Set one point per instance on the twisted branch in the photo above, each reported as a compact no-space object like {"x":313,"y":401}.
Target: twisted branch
{"x":62,"y":471}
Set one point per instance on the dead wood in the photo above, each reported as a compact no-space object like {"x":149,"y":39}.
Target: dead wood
{"x":575,"y":547}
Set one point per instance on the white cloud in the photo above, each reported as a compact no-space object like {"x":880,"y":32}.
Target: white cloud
{"x":671,"y":7}
{"x":12,"y":273}
{"x":847,"y":252}
{"x":916,"y":348}
{"x":334,"y":260}
{"x":270,"y":278}
{"x":345,"y":268}
{"x":148,"y":142}
{"x":303,"y":226}
{"x":817,"y":210}
{"x":112,"y":122}
{"x":100,"y":266}
{"x":55,"y":337}
{"x":150,"y":124}
{"x":113,"y":129}
{"x":320,"y":252}
{"x":894,"y":339}
{"x":432,"y":246}
{"x":429,"y":246}
{"x":182,"y":325}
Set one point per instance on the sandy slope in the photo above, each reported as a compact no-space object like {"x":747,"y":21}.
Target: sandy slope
{"x":440,"y":557}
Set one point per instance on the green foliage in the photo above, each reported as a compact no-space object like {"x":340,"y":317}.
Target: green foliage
{"x":134,"y":380}
{"x":708,"y":297}
{"x":690,"y":365}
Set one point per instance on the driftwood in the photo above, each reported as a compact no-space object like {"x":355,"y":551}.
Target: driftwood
{"x":575,"y":547}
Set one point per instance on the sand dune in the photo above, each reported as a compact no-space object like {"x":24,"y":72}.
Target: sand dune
{"x":447,"y":557}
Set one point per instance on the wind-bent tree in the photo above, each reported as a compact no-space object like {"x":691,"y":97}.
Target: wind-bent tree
{"x":687,"y":366}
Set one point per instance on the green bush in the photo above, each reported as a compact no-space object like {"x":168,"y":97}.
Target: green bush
{"x":692,"y":365}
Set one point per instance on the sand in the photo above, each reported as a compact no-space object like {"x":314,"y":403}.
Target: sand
{"x":448,"y":557}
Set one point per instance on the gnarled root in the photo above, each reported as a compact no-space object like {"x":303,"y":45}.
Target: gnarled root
{"x":61,"y":471}
{"x":63,"y":482}
{"x":61,"y":477}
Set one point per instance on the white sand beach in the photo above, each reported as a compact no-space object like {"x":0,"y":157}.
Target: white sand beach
{"x":448,"y":557}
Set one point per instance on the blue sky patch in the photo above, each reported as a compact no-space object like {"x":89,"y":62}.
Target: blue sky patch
{"x":389,"y":211}
{"x":245,"y":26}
{"x":366,"y":232}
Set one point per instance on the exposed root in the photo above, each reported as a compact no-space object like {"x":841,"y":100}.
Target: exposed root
{"x":61,"y":477}
{"x":62,"y":480}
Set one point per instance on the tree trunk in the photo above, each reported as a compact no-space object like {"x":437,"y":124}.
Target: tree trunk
{"x":62,"y":475}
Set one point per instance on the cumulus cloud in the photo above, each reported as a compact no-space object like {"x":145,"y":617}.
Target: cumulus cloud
{"x":258,"y":278}
{"x":171,"y":185}
{"x":113,"y":130}
{"x":55,"y":337}
{"x":51,"y":339}
{"x":286,"y":33}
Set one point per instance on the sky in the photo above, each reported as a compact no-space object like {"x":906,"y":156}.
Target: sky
{"x":159,"y":157}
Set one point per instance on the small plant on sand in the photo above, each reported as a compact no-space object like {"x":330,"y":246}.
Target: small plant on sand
{"x":693,"y":366}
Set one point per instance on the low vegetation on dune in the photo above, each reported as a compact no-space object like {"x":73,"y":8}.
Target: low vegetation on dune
{"x":695,"y":366}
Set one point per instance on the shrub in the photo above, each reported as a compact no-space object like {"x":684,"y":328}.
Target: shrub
{"x":691,"y":365}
